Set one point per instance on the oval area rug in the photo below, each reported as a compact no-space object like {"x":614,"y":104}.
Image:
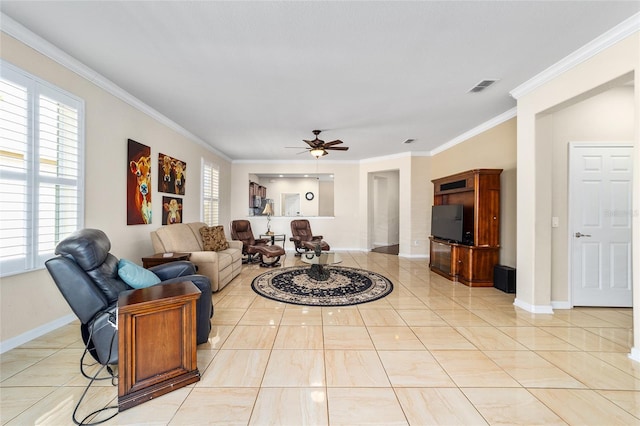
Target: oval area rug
{"x":345,"y":286}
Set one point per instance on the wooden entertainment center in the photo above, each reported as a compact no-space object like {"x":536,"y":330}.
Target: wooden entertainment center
{"x":470,"y":263}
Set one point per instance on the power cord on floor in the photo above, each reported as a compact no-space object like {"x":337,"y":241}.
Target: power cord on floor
{"x":112,"y":376}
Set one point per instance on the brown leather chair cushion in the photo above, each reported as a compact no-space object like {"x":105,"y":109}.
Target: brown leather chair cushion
{"x":311,"y":245}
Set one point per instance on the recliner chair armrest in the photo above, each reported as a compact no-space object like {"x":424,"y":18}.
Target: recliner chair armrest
{"x":173,"y":269}
{"x":316,"y":237}
{"x":262,"y":241}
{"x":296,"y":238}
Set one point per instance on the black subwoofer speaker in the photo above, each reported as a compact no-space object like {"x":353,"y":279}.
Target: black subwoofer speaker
{"x":504,"y":278}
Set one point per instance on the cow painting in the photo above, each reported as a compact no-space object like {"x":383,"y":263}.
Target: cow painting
{"x":139,"y":209}
{"x":172,"y":208}
{"x":180,"y":170}
{"x":172,"y":175}
{"x":165,"y":174}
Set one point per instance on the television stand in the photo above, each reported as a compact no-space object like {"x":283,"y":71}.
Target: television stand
{"x":479,"y":193}
{"x":466,"y":264}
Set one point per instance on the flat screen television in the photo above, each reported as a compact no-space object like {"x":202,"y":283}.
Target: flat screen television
{"x":447,"y":222}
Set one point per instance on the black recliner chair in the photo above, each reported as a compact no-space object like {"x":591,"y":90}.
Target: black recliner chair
{"x":87,"y":276}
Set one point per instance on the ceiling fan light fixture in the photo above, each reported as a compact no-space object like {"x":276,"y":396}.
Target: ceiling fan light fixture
{"x":317,"y":152}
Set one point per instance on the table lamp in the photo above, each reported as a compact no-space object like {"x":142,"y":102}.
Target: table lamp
{"x":268,"y":211}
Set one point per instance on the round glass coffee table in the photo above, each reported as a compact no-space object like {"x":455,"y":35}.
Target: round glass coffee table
{"x":318,"y":271}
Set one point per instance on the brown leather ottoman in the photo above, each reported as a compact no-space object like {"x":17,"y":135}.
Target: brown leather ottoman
{"x":273,"y":254}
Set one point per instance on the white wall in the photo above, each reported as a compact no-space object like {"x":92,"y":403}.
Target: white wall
{"x":326,"y":193}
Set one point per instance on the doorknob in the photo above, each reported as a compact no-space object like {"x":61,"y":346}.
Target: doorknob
{"x":578,"y":235}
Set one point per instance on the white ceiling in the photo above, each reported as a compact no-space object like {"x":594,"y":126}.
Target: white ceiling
{"x":251,"y":78}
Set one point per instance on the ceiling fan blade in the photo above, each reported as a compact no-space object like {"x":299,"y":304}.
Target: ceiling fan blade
{"x":337,"y":148}
{"x":312,"y":144}
{"x":336,"y":142}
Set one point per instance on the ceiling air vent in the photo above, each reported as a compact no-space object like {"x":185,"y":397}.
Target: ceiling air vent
{"x":409,"y":141}
{"x":481,"y":86}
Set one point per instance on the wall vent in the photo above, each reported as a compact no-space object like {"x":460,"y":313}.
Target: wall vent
{"x":409,"y":141}
{"x":482,"y":85}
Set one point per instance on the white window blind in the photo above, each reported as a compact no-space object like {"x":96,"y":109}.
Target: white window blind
{"x":41,"y":169}
{"x":210,"y":193}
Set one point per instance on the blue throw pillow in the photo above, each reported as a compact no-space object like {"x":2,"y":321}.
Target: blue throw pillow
{"x":136,"y":276}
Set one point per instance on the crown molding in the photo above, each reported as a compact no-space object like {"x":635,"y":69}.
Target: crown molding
{"x":386,"y":157}
{"x":26,"y":36}
{"x":487,"y":125}
{"x":602,"y":42}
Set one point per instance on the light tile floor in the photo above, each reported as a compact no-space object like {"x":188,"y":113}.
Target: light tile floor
{"x":432,"y":352}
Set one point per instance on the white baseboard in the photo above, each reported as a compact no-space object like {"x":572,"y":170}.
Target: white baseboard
{"x":414,"y":256}
{"x":635,"y":354}
{"x":561,"y":305}
{"x":14,"y":342}
{"x":535,"y":309}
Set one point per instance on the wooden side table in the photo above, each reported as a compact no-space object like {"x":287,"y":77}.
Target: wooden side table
{"x":160,"y":258}
{"x":156,"y":342}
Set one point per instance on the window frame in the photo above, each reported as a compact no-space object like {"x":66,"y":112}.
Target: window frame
{"x":34,"y":178}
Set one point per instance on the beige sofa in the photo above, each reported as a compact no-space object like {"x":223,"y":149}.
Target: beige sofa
{"x":220,"y":266}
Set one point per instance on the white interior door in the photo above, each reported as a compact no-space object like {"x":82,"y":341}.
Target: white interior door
{"x":600,"y":210}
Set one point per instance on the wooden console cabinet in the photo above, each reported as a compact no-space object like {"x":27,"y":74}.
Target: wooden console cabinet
{"x":156,"y":342}
{"x":479,"y":192}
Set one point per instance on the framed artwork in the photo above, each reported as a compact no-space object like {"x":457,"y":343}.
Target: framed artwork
{"x":138,"y":183}
{"x":171,"y":210}
{"x":172,"y":176}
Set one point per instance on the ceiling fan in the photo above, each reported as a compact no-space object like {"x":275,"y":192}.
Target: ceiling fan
{"x":319,"y":148}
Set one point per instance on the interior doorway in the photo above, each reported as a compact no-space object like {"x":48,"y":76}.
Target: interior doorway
{"x":384,"y":211}
{"x":290,"y":204}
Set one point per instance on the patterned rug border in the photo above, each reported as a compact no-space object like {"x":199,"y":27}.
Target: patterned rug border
{"x":381,"y":287}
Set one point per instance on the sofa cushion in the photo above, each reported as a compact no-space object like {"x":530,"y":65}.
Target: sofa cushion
{"x":224,"y":260}
{"x":213,"y":238}
{"x":178,"y":237}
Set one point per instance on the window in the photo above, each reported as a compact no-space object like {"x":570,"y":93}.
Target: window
{"x":41,"y":169}
{"x":210,"y":193}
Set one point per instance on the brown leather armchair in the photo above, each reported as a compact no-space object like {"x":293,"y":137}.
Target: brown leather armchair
{"x":303,"y":239}
{"x":241,"y":231}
